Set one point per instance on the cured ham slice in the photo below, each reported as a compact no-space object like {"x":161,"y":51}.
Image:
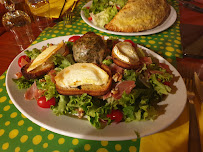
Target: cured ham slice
{"x":146,"y":60}
{"x":165,"y":66}
{"x":115,"y":69}
{"x":52,"y":74}
{"x":18,"y":75}
{"x":126,"y":86}
{"x":33,"y":92}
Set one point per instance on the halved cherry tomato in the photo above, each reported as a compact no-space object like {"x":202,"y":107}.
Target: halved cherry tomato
{"x":133,"y":44}
{"x":46,"y":104}
{"x":115,"y":115}
{"x":73,"y":38}
{"x":23,"y":60}
{"x":90,"y":18}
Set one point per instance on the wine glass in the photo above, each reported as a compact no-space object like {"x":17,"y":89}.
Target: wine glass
{"x":19,"y":23}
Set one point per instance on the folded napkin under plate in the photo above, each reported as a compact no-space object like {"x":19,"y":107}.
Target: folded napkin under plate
{"x":56,"y":7}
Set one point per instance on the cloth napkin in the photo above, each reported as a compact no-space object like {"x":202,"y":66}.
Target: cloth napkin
{"x":55,"y":8}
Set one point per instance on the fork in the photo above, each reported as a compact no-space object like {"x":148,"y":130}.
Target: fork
{"x":194,"y":138}
{"x":69,"y":14}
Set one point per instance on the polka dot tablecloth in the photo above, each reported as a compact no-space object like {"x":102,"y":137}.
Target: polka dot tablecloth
{"x":19,"y":134}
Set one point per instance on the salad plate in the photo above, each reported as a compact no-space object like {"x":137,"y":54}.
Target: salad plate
{"x":172,"y":107}
{"x":165,"y":25}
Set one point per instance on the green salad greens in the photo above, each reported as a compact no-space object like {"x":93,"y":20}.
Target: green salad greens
{"x":103,"y":11}
{"x":150,"y":86}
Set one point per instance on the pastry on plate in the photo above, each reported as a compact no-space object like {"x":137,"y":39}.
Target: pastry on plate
{"x":139,"y":15}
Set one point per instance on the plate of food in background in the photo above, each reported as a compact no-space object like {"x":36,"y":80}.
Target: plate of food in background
{"x":129,"y":18}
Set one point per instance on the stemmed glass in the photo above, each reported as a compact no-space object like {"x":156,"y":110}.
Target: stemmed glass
{"x":19,"y":23}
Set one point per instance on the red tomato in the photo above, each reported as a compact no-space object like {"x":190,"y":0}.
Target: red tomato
{"x":118,"y":8}
{"x":133,"y":44}
{"x":115,"y":115}
{"x":90,"y":18}
{"x":88,"y":7}
{"x":23,"y":60}
{"x":46,"y":104}
{"x":73,"y":38}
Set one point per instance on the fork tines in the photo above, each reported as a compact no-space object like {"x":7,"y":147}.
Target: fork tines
{"x":187,"y":72}
{"x":69,"y":14}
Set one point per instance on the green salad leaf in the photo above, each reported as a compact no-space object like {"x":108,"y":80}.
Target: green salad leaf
{"x":23,"y":83}
{"x":48,"y":86}
{"x":33,"y":54}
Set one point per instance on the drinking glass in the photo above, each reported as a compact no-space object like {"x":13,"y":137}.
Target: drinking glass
{"x":19,"y":23}
{"x":41,"y":11}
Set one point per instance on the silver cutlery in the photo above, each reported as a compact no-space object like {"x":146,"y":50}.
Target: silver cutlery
{"x":199,"y":86}
{"x":187,"y":73}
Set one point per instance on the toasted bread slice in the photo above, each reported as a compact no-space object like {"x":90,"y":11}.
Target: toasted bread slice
{"x":87,"y":78}
{"x":38,"y":72}
{"x":139,"y":15}
{"x":43,"y":63}
{"x":46,"y":54}
{"x":125,"y":56}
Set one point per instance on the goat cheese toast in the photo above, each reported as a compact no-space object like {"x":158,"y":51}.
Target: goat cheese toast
{"x":124,"y":86}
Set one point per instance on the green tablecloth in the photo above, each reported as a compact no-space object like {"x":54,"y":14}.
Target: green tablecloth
{"x":19,"y":134}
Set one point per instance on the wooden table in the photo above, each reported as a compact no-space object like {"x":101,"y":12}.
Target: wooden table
{"x":9,"y":48}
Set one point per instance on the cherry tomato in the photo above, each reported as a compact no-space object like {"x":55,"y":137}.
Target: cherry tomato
{"x":88,"y":7}
{"x":90,"y":18}
{"x":23,"y":60}
{"x":133,"y":44}
{"x":46,"y":104}
{"x":115,"y":115}
{"x":118,"y":8}
{"x":73,"y":38}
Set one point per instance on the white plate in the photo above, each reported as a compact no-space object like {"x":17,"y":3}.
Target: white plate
{"x":79,"y":128}
{"x":166,"y":24}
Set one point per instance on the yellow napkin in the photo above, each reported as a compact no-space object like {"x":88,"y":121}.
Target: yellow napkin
{"x":175,"y":137}
{"x":54,"y":5}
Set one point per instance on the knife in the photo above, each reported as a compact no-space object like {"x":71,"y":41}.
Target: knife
{"x":191,"y":6}
{"x":199,"y":86}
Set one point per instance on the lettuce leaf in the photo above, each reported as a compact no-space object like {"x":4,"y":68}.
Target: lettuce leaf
{"x":48,"y":86}
{"x":60,"y":109}
{"x":23,"y":83}
{"x":62,"y":62}
{"x":158,"y":86}
{"x":33,"y":54}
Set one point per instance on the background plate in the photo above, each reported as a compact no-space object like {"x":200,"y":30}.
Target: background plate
{"x":166,"y":24}
{"x":81,"y":128}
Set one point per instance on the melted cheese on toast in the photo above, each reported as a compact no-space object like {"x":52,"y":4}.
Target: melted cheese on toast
{"x":126,"y":52}
{"x":81,"y":74}
{"x":46,"y":54}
